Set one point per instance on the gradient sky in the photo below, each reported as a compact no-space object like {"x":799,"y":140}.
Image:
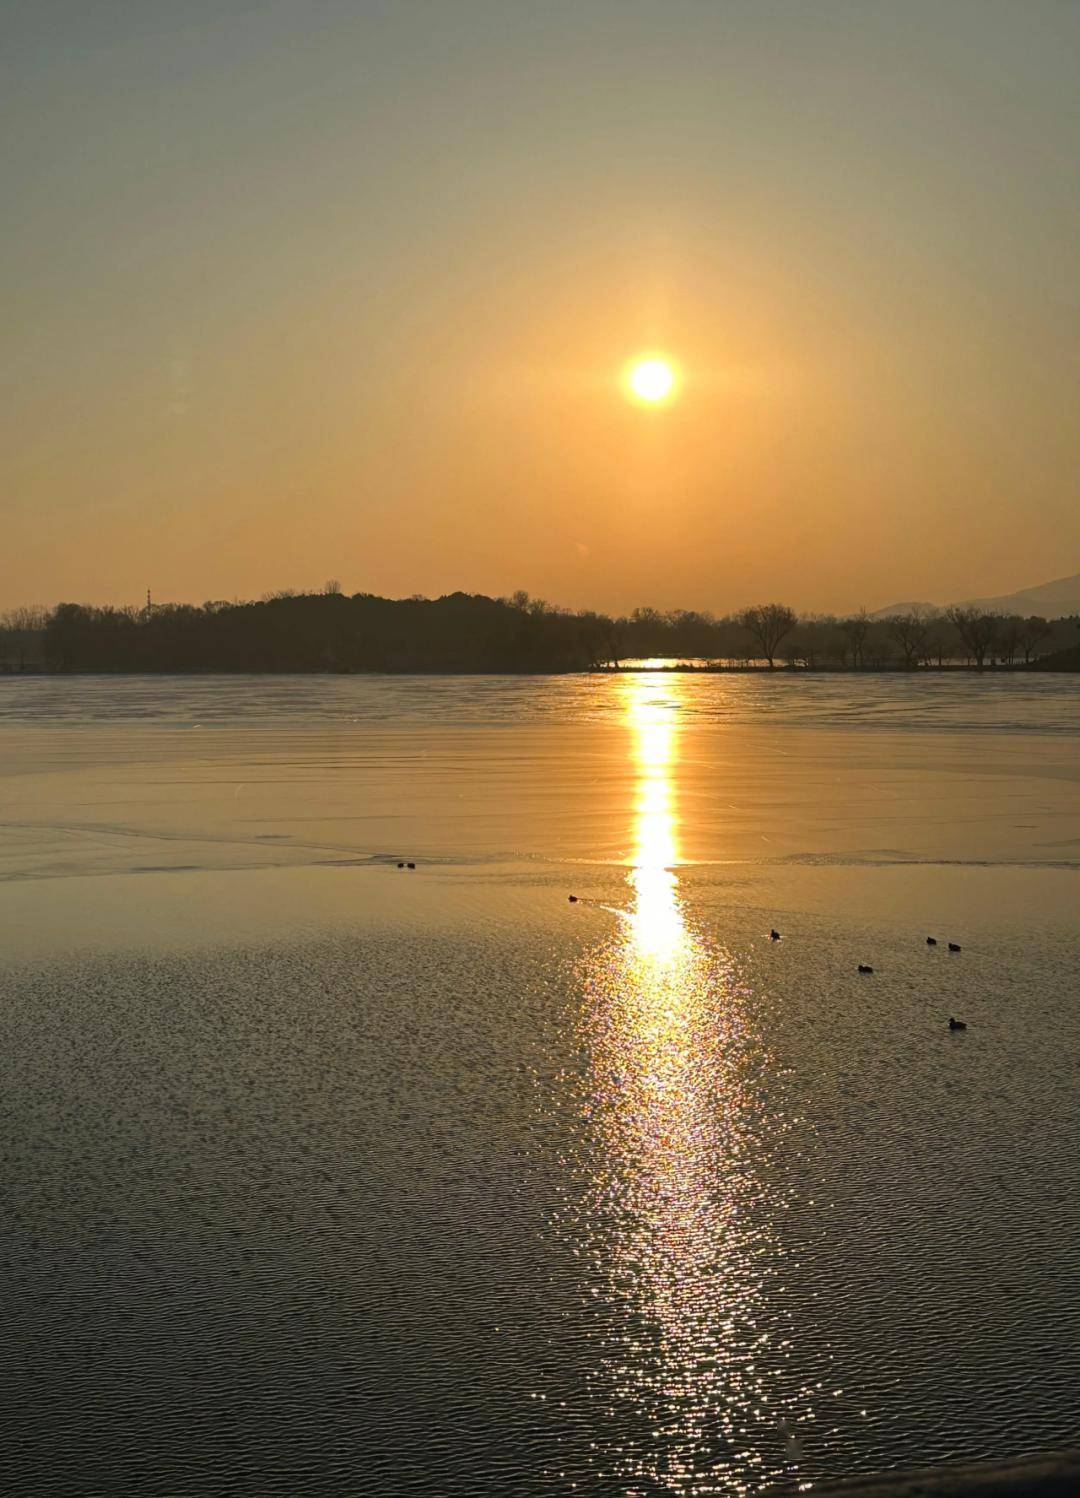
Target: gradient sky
{"x":343,"y":290}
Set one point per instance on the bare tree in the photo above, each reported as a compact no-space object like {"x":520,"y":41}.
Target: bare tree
{"x":613,"y":640}
{"x":22,"y":634}
{"x":936,"y":643}
{"x":331,"y":587}
{"x":977,"y":629}
{"x":1032,"y":631}
{"x":768,"y":623}
{"x":28,"y":616}
{"x":1011,"y":625}
{"x":813,"y":640}
{"x":855,"y":630}
{"x":910,"y":631}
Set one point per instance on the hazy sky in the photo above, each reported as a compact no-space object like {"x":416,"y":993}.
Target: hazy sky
{"x":325,"y":289}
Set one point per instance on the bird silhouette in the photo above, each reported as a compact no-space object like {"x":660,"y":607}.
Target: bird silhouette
{"x":956,"y":1024}
{"x":954,"y":946}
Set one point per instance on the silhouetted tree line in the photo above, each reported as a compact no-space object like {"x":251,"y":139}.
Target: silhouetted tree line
{"x":329,"y":631}
{"x":324,"y":632}
{"x":773,"y":634}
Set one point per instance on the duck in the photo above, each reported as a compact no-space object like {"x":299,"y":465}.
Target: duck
{"x":954,"y":946}
{"x":931,"y":941}
{"x":864,"y":967}
{"x":401,"y":865}
{"x":572,"y":899}
{"x":956,"y":1024}
{"x":774,"y":935}
{"x":410,"y":866}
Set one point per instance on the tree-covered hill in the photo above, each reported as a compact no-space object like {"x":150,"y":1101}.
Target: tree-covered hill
{"x":325,"y":632}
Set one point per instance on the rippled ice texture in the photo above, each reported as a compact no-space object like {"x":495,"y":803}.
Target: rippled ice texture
{"x":323,"y":1176}
{"x":1043,"y":702}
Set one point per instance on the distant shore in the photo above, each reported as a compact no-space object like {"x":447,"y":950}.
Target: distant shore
{"x":951,"y":668}
{"x":464,"y":634}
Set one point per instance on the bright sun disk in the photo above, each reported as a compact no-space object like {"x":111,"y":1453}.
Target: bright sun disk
{"x":651,"y":379}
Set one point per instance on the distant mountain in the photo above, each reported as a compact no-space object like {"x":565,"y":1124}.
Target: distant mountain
{"x":1051,"y":600}
{"x":905,"y":608}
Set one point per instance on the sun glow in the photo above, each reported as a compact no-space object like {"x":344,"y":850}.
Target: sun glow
{"x":651,"y":380}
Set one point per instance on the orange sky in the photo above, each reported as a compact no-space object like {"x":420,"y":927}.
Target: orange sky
{"x":346,"y":290}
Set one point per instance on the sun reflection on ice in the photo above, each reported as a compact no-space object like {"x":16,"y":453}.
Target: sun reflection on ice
{"x":656,"y":919}
{"x":674,"y":1227}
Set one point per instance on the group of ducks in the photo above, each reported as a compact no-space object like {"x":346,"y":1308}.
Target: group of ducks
{"x":406,"y":866}
{"x":864,"y":967}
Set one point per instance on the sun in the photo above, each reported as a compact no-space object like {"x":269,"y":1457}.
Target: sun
{"x":651,"y":379}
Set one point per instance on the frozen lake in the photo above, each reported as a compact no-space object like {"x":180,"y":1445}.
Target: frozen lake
{"x":327,"y":1176}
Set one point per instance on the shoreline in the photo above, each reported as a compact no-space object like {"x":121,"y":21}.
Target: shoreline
{"x":710,"y":669}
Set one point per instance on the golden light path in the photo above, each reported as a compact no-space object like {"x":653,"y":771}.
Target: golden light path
{"x":677,"y":1160}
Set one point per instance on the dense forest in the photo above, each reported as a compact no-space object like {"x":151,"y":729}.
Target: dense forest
{"x":330,"y":631}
